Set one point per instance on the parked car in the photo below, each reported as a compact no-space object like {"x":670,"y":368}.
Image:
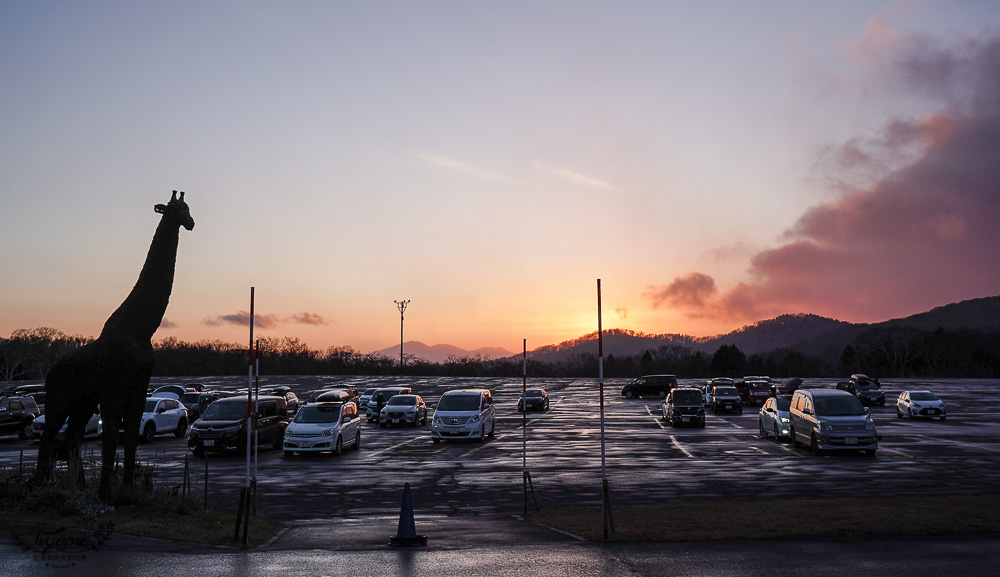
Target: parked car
{"x":380,"y":398}
{"x":830,"y":419}
{"x":684,"y":406}
{"x":403,"y":409}
{"x":174,"y":392}
{"x":706,"y":391}
{"x":865,"y":388}
{"x":773,"y":417}
{"x":223,"y":426}
{"x":160,"y":416}
{"x":464,"y":414}
{"x":16,"y":416}
{"x":924,"y":404}
{"x":533,"y":399}
{"x":365,"y":397}
{"x":191,"y":402}
{"x":726,"y":398}
{"x":291,"y":399}
{"x":93,"y":428}
{"x":323,"y":427}
{"x":754,"y":392}
{"x":650,"y":385}
{"x":39,"y":398}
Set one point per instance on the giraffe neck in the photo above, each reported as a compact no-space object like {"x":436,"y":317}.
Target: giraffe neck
{"x":142,"y":311}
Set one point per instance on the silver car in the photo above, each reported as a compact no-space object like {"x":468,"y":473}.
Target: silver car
{"x":923,"y":404}
{"x":773,"y":418}
{"x":830,"y":419}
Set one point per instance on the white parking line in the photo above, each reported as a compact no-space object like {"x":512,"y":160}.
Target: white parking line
{"x":680,"y":447}
{"x":380,"y":451}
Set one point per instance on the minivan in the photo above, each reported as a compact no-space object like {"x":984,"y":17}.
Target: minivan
{"x":658,"y":385}
{"x":684,"y":406}
{"x":828,"y":419}
{"x":464,"y":414}
{"x":223,"y":425}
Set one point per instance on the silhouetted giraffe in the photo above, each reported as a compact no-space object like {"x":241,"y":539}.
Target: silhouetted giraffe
{"x":114,"y":370}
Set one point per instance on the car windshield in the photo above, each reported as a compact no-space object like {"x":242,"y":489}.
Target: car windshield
{"x":784,"y":404}
{"x":533,"y":393}
{"x":924,"y":396}
{"x":866,"y":386}
{"x":318,"y":414}
{"x":759,"y":386}
{"x":687,"y":397}
{"x":225,"y":412}
{"x":725,"y":391}
{"x":368,"y":392}
{"x":468,"y":402}
{"x":403,"y":400}
{"x":190,"y":397}
{"x":722,"y":381}
{"x":838,"y":406}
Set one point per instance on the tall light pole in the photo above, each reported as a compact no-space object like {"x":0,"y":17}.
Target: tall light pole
{"x":401,"y":305}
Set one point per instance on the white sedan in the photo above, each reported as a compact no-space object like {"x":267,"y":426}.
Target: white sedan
{"x":923,"y":404}
{"x":92,"y":429}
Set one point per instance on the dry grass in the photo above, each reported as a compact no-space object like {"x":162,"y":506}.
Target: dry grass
{"x":827,"y":518}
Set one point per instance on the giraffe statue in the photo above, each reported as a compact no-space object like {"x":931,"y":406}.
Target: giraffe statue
{"x":114,"y":370}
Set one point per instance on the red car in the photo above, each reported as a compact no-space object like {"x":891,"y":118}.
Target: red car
{"x":754,"y":392}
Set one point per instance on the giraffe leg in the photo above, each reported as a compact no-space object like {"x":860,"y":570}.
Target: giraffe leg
{"x":54,"y":419}
{"x":74,"y":437}
{"x":109,"y":448}
{"x":131,"y":425}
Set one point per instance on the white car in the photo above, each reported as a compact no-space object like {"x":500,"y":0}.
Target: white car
{"x":323,"y":427}
{"x":403,"y":409}
{"x":92,"y":429}
{"x":464,"y":414}
{"x":924,"y":404}
{"x":773,"y":418}
{"x":161,"y":416}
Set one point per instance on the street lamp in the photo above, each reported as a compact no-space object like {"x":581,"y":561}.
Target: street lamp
{"x":401,"y":305}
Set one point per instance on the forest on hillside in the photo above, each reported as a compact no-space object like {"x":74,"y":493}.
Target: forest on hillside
{"x":884,"y":352}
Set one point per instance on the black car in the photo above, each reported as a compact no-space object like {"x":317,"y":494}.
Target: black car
{"x":223,"y":425}
{"x":658,"y":385}
{"x":16,"y":415}
{"x":534,"y":399}
{"x":865,"y":388}
{"x":684,"y":406}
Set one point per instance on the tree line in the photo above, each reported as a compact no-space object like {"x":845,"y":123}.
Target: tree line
{"x":885,"y":353}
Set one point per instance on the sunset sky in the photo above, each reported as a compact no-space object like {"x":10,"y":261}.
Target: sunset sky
{"x":714,"y":163}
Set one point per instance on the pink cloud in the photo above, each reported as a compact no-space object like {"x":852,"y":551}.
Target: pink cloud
{"x":923,"y":232}
{"x":168,"y":324}
{"x":305,"y":318}
{"x":242,"y":319}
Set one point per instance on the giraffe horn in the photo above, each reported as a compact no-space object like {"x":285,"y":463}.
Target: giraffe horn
{"x":182,"y":196}
{"x":173,"y":196}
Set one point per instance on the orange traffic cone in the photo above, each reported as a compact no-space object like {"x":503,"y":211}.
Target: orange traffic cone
{"x":406,"y":534}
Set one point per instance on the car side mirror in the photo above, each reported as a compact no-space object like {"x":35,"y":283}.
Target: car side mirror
{"x":807,"y":411}
{"x":868,"y":411}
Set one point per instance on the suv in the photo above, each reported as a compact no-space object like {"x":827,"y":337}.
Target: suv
{"x":323,"y":427}
{"x":378,"y":400}
{"x":754,"y":392}
{"x":865,"y":388}
{"x":223,"y":425}
{"x":16,"y":415}
{"x":684,"y":406}
{"x":831,"y":419}
{"x":162,"y":415}
{"x":650,"y":385}
{"x":726,"y":398}
{"x":464,"y":414}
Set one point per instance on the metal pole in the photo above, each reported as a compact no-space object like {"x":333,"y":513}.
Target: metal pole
{"x":249,"y":421}
{"x":605,"y":490}
{"x":401,"y":305}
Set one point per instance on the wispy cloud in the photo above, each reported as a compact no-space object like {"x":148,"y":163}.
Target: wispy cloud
{"x":922,"y":233}
{"x":460,"y":167}
{"x":573,"y":176}
{"x":168,"y":324}
{"x":264,"y":321}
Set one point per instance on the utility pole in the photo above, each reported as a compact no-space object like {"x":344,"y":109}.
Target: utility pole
{"x":401,"y":305}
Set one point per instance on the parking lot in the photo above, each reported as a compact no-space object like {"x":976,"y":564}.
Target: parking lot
{"x":647,"y":460}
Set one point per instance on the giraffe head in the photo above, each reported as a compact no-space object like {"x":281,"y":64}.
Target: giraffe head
{"x":176,"y":210}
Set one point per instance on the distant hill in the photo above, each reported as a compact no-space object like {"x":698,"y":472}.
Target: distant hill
{"x":440,"y":353}
{"x":808,"y":333}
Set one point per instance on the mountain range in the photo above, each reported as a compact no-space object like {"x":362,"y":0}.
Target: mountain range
{"x":808,"y":333}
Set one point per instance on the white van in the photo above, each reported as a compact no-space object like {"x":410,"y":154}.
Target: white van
{"x":464,"y":414}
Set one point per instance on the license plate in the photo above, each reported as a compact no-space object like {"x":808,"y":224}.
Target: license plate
{"x":209,"y":443}
{"x":851,"y":440}
{"x":395,"y":420}
{"x":685,"y":419}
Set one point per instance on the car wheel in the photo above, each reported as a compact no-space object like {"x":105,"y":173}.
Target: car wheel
{"x":493,"y":428}
{"x":814,"y":446}
{"x":199,"y":451}
{"x":435,"y":440}
{"x":943,"y":418}
{"x":870,"y":452}
{"x":482,"y":434}
{"x":25,"y":432}
{"x":776,"y":436}
{"x":899,"y":415}
{"x":629,"y":395}
{"x":791,"y":435}
{"x":357,"y":440}
{"x":763,"y":433}
{"x":182,"y":428}
{"x":338,"y":447}
{"x":148,"y":432}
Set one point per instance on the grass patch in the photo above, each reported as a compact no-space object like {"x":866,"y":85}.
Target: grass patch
{"x":148,"y":510}
{"x":774,"y":519}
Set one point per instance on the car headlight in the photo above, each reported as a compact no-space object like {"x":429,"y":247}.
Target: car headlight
{"x":870,"y":425}
{"x":288,"y":433}
{"x":474,"y":419}
{"x":436,"y":420}
{"x":784,"y":419}
{"x":825,"y":426}
{"x":328,"y":432}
